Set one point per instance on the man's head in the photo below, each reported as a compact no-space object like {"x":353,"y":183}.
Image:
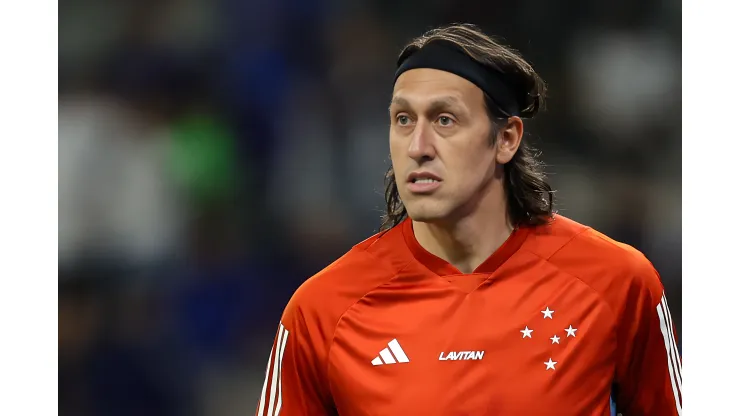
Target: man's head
{"x":456,"y":130}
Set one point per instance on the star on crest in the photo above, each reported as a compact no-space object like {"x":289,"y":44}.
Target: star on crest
{"x":547,"y":313}
{"x":527,"y":333}
{"x":571,"y":331}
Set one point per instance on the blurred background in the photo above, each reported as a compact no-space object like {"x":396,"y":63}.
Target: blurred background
{"x":213,"y":154}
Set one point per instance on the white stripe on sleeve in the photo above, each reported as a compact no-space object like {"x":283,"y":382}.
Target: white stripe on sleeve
{"x":274,"y":378}
{"x":261,"y":410}
{"x":673,"y":338}
{"x":280,"y":377}
{"x":671,"y":345}
{"x":670,"y":355}
{"x":275,"y":367}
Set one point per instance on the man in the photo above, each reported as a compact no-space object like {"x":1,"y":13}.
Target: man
{"x":475,"y":298}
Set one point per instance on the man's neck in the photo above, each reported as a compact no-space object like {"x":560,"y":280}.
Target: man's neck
{"x":469,"y":241}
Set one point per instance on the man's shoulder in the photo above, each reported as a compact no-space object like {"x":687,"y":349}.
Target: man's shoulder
{"x":593,"y":257}
{"x":338,"y":286}
{"x":357,"y":270}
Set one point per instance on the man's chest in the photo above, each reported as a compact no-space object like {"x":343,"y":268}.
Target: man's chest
{"x":543,"y":352}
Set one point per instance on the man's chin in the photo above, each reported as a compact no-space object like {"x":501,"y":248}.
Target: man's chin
{"x":427,"y":215}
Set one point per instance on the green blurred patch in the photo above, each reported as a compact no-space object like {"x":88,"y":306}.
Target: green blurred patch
{"x":204,"y":157}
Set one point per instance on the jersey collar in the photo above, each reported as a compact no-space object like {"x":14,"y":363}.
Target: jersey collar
{"x":443,"y":268}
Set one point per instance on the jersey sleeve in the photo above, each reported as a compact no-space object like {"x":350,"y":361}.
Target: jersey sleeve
{"x":295,"y":380}
{"x":648,"y":374}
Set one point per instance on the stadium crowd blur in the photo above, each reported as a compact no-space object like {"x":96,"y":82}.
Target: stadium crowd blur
{"x":213,"y":154}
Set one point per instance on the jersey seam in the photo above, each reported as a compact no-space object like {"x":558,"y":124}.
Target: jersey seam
{"x":601,"y":297}
{"x":576,"y":235}
{"x":339,"y":320}
{"x":549,"y":261}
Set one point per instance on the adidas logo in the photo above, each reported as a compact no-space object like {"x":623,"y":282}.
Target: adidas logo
{"x":391,"y":355}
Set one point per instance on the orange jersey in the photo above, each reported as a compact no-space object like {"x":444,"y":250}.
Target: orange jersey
{"x":558,"y":320}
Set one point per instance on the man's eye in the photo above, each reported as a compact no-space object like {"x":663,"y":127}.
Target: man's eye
{"x":403,"y":120}
{"x":445,"y":121}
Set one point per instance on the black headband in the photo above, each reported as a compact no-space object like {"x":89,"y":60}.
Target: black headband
{"x":447,"y":57}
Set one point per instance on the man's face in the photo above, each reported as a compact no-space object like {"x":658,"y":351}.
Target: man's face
{"x":440,"y":144}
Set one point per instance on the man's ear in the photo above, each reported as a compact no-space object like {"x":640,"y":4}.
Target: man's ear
{"x":508,"y":140}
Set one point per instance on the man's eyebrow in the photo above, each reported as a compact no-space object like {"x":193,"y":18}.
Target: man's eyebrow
{"x":437,"y":104}
{"x":400,"y":101}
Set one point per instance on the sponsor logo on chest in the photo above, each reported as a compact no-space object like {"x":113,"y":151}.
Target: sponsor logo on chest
{"x":461,"y":355}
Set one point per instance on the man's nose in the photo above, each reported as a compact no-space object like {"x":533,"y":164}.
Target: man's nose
{"x":422,"y":142}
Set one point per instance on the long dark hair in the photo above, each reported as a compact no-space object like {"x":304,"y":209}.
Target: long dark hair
{"x":529,"y":195}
